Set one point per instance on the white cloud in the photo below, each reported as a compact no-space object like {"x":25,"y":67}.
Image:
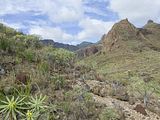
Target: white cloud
{"x":137,"y":11}
{"x":51,"y":33}
{"x":95,"y":11}
{"x":93,"y":28}
{"x":56,"y":10}
{"x":17,"y":26}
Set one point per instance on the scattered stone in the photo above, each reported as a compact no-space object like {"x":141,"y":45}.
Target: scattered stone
{"x":22,"y":78}
{"x":59,"y":95}
{"x":2,"y":71}
{"x":8,"y":90}
{"x":132,"y":100}
{"x":123,"y":97}
{"x":139,"y":108}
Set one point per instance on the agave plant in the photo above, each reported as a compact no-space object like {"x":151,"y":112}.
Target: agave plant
{"x":37,"y":104}
{"x":31,"y":115}
{"x":10,"y":108}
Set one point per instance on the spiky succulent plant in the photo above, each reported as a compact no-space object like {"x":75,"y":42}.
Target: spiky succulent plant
{"x":11,"y":108}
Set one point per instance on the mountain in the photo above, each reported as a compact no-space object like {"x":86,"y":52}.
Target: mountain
{"x":119,"y":75}
{"x":84,"y":44}
{"x":59,"y":45}
{"x":124,"y":37}
{"x":66,"y":46}
{"x":127,"y":48}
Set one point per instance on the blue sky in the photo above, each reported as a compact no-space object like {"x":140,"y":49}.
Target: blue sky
{"x":74,"y":21}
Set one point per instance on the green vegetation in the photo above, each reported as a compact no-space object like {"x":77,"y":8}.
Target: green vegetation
{"x":39,"y":82}
{"x":11,"y":107}
{"x":109,"y":114}
{"x":14,"y":107}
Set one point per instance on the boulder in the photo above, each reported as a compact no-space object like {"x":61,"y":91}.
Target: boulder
{"x":123,"y":96}
{"x":22,"y":78}
{"x":2,"y":71}
{"x":139,"y":108}
{"x":150,"y":21}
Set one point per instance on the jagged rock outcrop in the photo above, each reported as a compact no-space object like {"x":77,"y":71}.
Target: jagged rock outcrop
{"x":125,"y":37}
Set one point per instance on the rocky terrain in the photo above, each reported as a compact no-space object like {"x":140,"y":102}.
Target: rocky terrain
{"x":129,"y":63}
{"x":114,"y":79}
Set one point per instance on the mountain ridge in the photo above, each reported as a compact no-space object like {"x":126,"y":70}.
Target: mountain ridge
{"x":125,"y":37}
{"x":69,"y":47}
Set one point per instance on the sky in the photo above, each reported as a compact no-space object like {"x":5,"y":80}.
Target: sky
{"x":75,"y":21}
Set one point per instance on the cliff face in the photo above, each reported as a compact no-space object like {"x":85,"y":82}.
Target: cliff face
{"x":122,"y":36}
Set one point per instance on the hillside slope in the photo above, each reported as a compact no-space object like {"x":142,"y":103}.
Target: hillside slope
{"x":125,"y":48}
{"x":130,"y":61}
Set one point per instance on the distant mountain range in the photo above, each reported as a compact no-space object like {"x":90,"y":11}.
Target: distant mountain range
{"x":66,"y":46}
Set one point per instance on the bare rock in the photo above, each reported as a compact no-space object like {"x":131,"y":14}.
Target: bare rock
{"x":22,"y":78}
{"x":150,"y":21}
{"x":2,"y":71}
{"x":139,"y":108}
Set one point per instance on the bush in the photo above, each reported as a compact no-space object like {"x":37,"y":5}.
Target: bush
{"x":109,"y":114}
{"x":29,"y":55}
{"x":43,"y":66}
{"x":58,"y":81}
{"x":5,"y":43}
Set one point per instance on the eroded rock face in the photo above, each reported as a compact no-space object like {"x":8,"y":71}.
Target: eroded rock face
{"x":139,"y":108}
{"x":88,"y":51}
{"x":118,"y":36}
{"x":124,"y":37}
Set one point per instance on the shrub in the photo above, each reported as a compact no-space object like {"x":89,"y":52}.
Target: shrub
{"x":58,"y":81}
{"x":5,"y":43}
{"x":109,"y":114}
{"x":43,"y":66}
{"x":29,"y":55}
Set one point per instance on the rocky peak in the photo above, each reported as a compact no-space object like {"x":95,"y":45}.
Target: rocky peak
{"x":150,"y":21}
{"x":125,"y":24}
{"x":152,"y":25}
{"x":120,"y":33}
